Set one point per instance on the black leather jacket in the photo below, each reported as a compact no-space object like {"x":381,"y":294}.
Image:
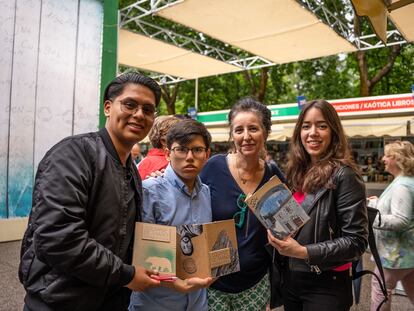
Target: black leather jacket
{"x":337,"y":231}
{"x":76,"y":251}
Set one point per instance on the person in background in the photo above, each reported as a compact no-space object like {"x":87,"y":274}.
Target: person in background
{"x":269,"y":160}
{"x":326,"y":182}
{"x":179,"y":198}
{"x":156,"y":159}
{"x":230,"y":178}
{"x":136,"y":153}
{"x":77,"y":249}
{"x":394,"y":225}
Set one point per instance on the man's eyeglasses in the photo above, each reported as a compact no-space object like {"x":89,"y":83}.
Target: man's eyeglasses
{"x":132,"y":107}
{"x":241,"y":214}
{"x":181,"y":152}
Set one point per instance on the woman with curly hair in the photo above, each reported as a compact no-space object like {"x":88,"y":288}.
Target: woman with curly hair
{"x":394,"y":225}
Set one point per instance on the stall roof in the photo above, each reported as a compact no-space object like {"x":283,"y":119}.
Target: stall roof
{"x":391,"y":126}
{"x":377,"y":127}
{"x":139,"y":51}
{"x":281,"y":31}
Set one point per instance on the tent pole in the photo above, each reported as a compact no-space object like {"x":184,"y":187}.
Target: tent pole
{"x":196,"y":94}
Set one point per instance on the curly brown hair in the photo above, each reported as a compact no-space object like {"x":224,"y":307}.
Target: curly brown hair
{"x":159,"y":130}
{"x":250,"y":104}
{"x":300,"y":173}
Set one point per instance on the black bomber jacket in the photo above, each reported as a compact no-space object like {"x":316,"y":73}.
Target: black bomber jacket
{"x":337,"y":231}
{"x":71,"y":255}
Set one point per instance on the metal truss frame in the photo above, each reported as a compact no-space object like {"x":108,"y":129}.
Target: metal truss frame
{"x":166,"y":35}
{"x":365,"y":42}
{"x":135,"y":13}
{"x":143,"y":8}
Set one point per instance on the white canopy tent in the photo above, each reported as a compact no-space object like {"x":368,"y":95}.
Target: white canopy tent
{"x":281,"y":31}
{"x":272,"y":31}
{"x":402,"y":17}
{"x":139,"y":51}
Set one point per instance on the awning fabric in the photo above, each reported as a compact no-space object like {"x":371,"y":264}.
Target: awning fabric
{"x":139,"y":51}
{"x":403,"y":19}
{"x":394,"y":127}
{"x":281,"y":31}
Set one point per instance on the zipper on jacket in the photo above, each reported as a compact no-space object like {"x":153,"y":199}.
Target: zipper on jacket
{"x":331,"y":232}
{"x":315,"y":234}
{"x":315,"y":268}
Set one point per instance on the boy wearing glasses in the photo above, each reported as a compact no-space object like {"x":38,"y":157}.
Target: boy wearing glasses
{"x":178,"y":198}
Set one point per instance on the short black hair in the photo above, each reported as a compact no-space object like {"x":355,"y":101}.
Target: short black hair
{"x":117,"y":85}
{"x":185,"y":131}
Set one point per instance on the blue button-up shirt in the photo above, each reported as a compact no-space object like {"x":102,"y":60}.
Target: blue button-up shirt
{"x":167,"y":201}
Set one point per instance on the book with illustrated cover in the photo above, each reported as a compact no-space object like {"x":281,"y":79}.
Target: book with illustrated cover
{"x":200,"y":250}
{"x":275,"y":207}
{"x":155,"y":248}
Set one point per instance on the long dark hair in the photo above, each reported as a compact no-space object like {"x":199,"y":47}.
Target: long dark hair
{"x":300,"y":173}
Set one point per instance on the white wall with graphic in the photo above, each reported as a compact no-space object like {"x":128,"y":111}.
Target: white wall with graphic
{"x":50,"y":58}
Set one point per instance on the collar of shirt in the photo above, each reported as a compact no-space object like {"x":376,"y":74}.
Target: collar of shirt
{"x":173,"y":178}
{"x":109,"y":145}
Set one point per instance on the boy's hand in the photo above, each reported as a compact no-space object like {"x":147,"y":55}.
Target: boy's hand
{"x":189,"y":285}
{"x":142,"y":280}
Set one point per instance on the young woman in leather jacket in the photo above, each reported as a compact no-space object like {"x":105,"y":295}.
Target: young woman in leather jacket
{"x":326,"y":182}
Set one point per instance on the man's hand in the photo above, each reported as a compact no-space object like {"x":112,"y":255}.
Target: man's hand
{"x":142,"y":280}
{"x":156,"y":174}
{"x":189,"y":285}
{"x":288,"y":247}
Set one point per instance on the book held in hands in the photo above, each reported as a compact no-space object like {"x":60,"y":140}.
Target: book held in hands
{"x":275,"y":207}
{"x":200,"y":250}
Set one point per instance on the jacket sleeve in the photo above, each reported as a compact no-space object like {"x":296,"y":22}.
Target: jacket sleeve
{"x":61,"y":238}
{"x":401,"y":210}
{"x":351,"y":221}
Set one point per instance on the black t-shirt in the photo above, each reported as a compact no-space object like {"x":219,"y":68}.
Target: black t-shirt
{"x":251,"y":238}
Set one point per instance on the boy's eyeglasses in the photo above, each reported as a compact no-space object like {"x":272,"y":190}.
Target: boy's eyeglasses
{"x":181,"y":152}
{"x":132,"y":107}
{"x":241,"y":214}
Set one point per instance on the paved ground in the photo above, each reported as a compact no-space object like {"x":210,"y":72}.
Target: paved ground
{"x":12,"y":293}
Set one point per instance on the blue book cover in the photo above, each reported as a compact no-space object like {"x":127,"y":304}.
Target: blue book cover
{"x":275,"y":207}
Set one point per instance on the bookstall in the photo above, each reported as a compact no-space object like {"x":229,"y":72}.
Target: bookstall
{"x":369,"y":122}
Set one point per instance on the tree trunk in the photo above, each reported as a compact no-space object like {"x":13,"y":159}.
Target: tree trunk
{"x":367,"y":85}
{"x":263,"y":83}
{"x":250,"y":80}
{"x":257,"y":90}
{"x":169,"y":95}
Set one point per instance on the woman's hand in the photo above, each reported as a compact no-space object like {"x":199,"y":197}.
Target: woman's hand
{"x":189,"y":285}
{"x":288,"y":247}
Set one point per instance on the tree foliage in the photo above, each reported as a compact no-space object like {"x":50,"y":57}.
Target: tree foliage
{"x":382,"y":71}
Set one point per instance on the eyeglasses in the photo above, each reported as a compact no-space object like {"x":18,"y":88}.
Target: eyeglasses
{"x":181,"y":152}
{"x":241,"y":214}
{"x":132,"y":107}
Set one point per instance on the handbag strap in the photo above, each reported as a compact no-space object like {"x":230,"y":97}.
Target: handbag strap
{"x":372,"y":212}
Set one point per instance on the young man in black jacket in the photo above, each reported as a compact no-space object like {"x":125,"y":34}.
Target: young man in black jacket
{"x":76,"y":252}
